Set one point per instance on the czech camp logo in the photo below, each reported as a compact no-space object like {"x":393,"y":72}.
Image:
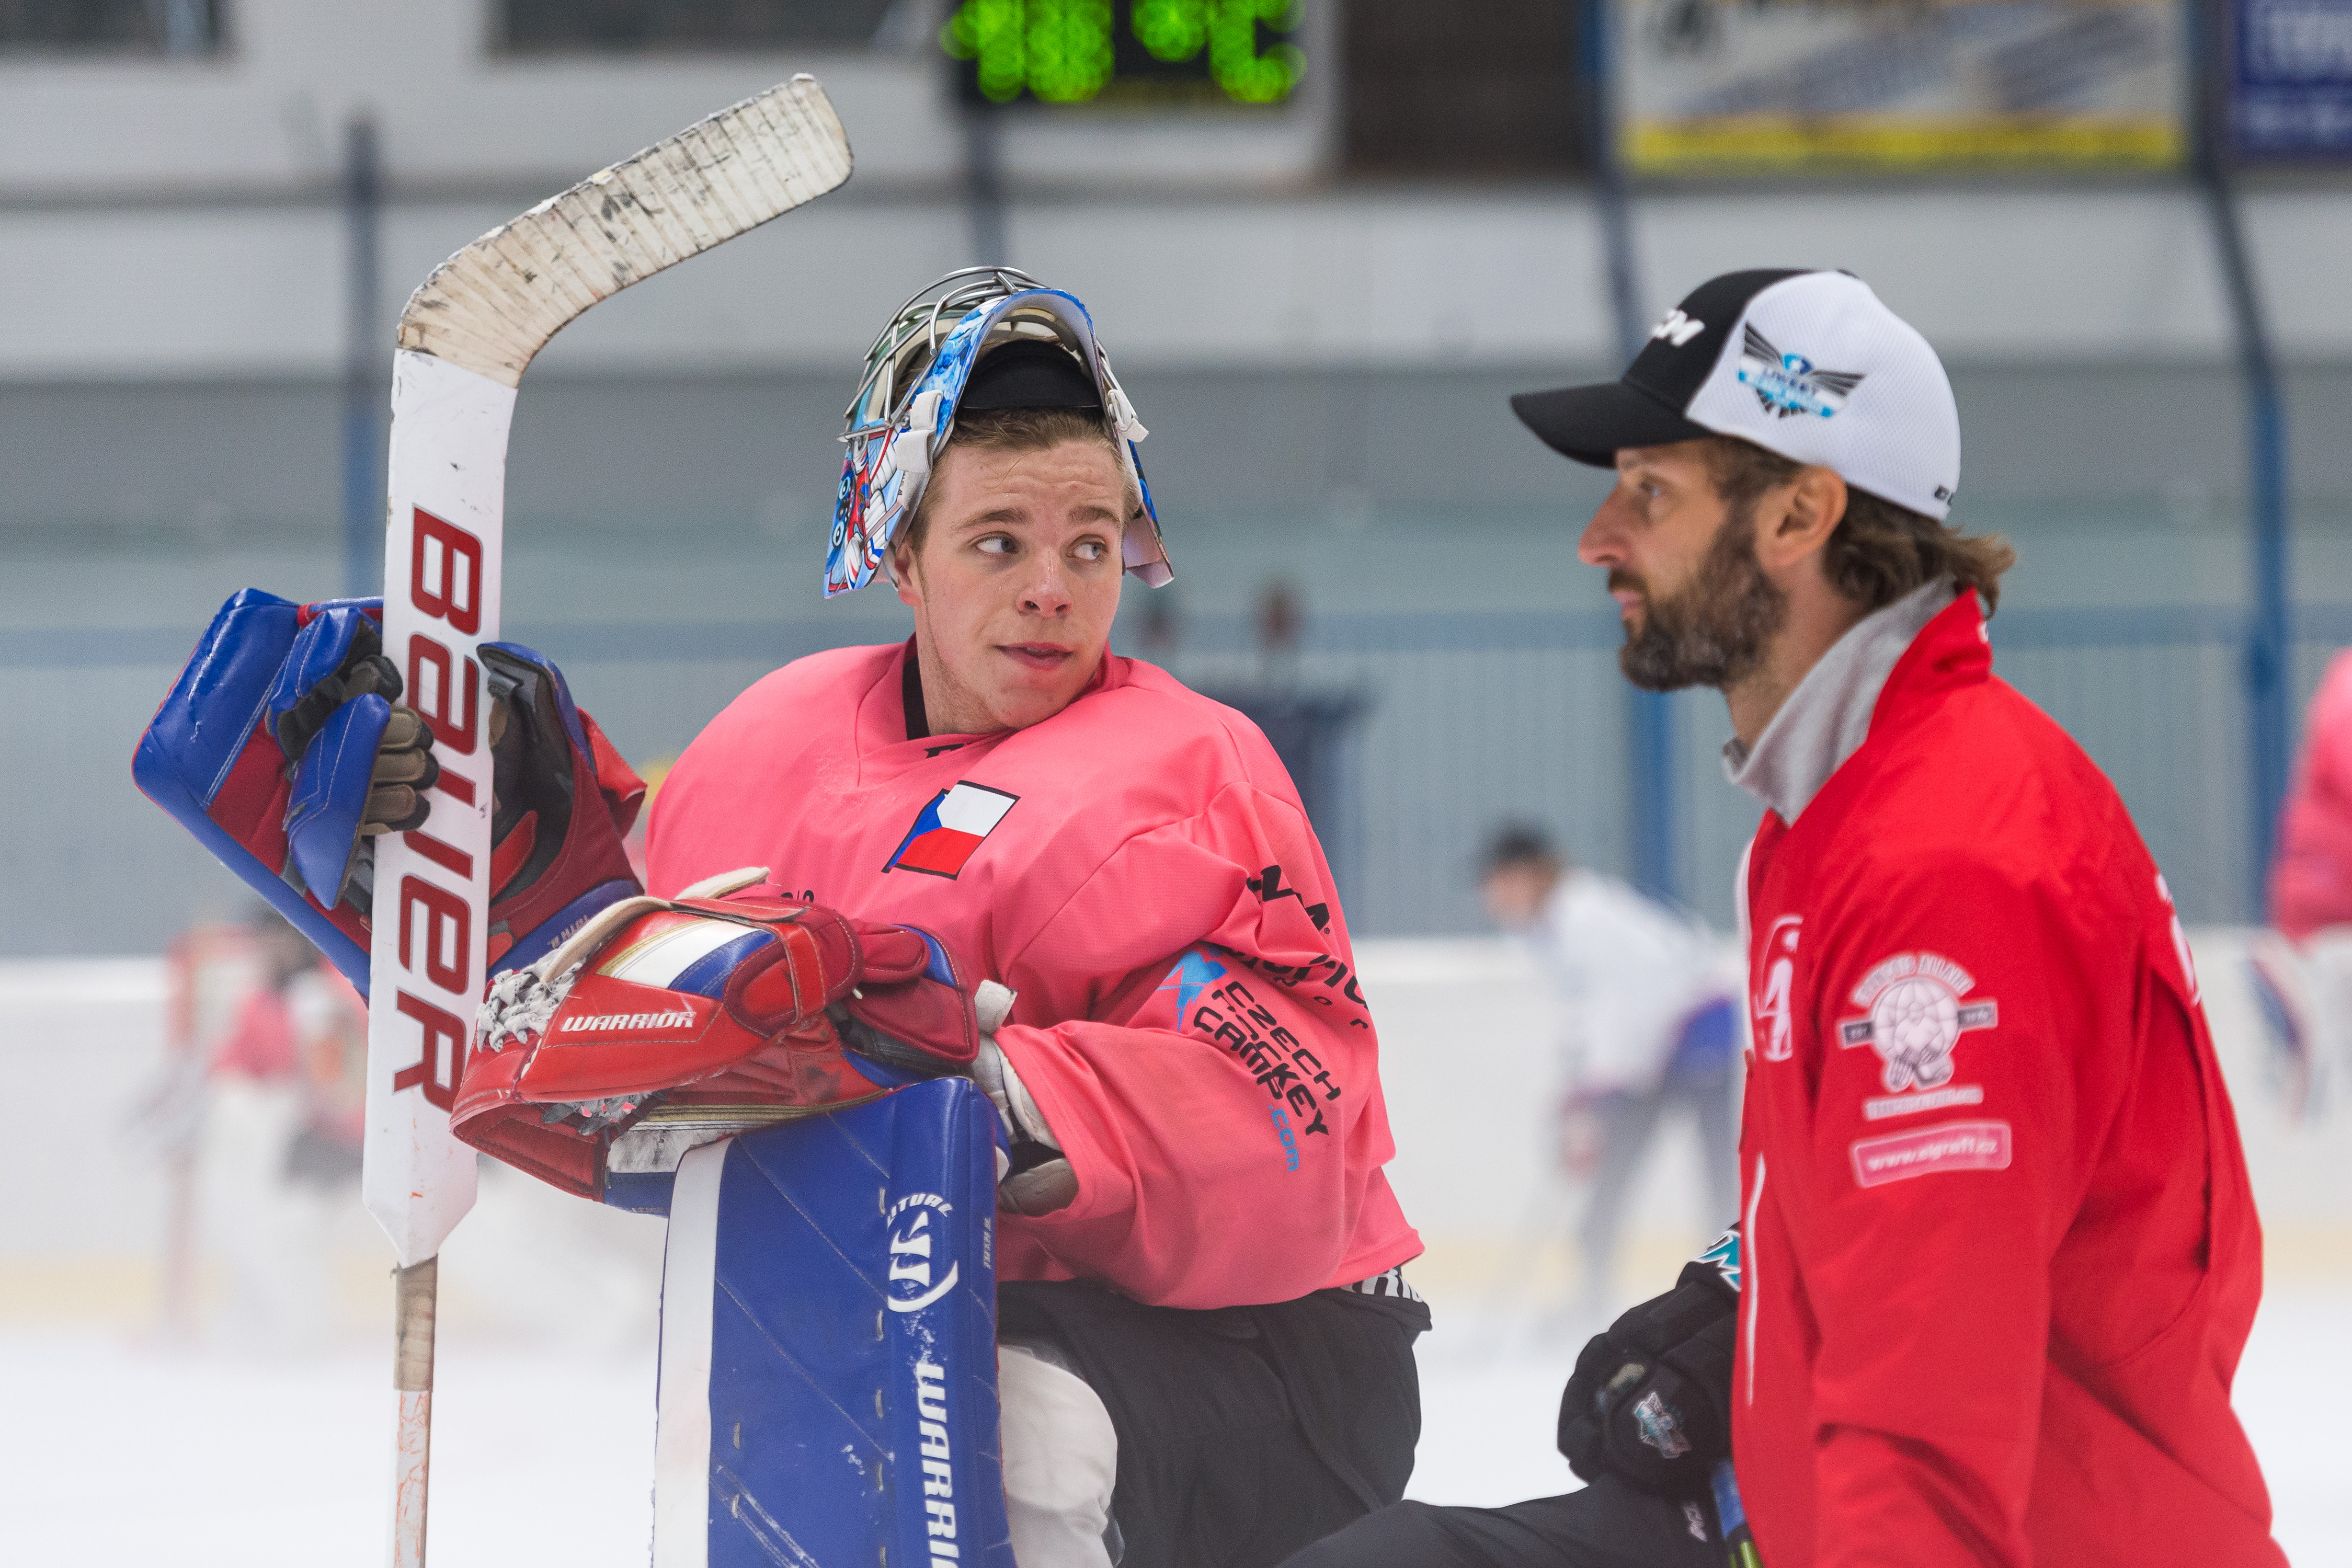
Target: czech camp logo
{"x":1916,"y":1018}
{"x":946,"y":832}
{"x":1789,"y":384}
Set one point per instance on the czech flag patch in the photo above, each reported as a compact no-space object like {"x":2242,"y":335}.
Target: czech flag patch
{"x":950,"y":829}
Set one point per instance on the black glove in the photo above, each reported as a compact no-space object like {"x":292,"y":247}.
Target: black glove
{"x":404,"y":764}
{"x":1650,"y":1401}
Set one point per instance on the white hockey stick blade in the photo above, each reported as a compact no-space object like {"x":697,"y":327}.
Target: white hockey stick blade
{"x":465,"y":340}
{"x":496,"y":303}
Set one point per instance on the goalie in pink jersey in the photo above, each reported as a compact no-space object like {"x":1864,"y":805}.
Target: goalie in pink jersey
{"x":996,"y":849}
{"x":1199,"y":1257}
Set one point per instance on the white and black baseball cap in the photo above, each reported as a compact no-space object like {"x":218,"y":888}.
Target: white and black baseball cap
{"x":1811,"y":365}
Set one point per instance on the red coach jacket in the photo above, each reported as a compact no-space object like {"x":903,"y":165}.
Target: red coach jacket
{"x":2001,"y":1256}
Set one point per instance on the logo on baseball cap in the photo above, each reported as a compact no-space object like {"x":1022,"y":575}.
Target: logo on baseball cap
{"x":1811,"y":365}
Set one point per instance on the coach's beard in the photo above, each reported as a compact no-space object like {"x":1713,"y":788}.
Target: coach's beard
{"x":1714,"y":632}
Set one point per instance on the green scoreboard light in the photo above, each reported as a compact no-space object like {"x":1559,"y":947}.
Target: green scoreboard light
{"x":1134,"y":53}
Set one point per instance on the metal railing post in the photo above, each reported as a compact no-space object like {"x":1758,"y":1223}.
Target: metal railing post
{"x":1652,"y":805}
{"x":2270,"y":621}
{"x":983,"y":143}
{"x":366,"y":387}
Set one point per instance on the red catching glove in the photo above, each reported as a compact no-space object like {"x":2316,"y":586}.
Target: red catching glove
{"x":728,"y":997}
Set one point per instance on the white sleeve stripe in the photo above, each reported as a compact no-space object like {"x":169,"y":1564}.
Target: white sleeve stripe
{"x":1747,"y":1293}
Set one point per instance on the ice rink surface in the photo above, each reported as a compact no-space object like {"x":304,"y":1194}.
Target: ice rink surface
{"x":126,"y":1456}
{"x":121,"y":1450}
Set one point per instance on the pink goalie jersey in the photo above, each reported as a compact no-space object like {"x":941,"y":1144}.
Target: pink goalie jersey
{"x":1138,"y":870}
{"x":2311,"y":877}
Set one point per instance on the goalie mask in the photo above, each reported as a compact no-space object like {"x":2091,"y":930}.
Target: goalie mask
{"x":917,"y":375}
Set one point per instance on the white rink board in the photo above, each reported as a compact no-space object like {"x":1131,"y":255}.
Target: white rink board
{"x":1466,"y":1065}
{"x":249,"y":1456}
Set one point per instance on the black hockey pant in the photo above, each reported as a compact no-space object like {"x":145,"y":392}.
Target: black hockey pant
{"x":1244,"y":1433}
{"x":1606,"y":1525}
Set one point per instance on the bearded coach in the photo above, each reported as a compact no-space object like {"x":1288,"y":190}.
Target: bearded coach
{"x":1997,"y":1255}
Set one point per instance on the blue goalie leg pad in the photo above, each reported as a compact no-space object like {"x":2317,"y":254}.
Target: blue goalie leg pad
{"x":828,"y":1359}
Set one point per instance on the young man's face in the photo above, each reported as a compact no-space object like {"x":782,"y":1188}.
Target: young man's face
{"x":1514,"y":892}
{"x":1697,"y":607}
{"x":1016,"y":582}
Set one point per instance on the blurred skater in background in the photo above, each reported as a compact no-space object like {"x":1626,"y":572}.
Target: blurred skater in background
{"x":285,"y":1099}
{"x":1649,"y":1029}
{"x":2302,"y":968}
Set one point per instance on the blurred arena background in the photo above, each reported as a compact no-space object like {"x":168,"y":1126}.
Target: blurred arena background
{"x":1324,"y":240}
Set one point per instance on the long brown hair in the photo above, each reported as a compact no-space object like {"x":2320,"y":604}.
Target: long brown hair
{"x":1879,"y":551}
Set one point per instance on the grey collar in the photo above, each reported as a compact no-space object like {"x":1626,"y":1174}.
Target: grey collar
{"x":1827,"y":717}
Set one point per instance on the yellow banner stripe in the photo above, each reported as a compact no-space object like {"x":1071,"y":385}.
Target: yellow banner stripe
{"x":1771,"y":144}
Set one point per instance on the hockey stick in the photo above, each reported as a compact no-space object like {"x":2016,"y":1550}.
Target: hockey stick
{"x":1731,"y":1519}
{"x":468,"y":335}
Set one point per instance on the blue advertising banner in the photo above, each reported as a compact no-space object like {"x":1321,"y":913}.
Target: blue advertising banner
{"x":2292,"y":93}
